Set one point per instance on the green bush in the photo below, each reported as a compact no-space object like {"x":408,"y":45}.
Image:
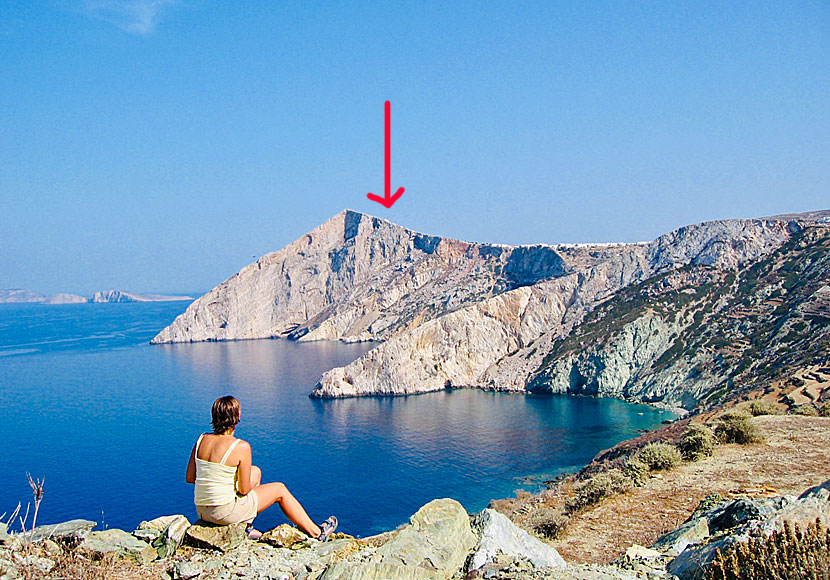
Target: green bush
{"x":787,"y":555}
{"x":636,"y":471}
{"x":548,"y":522}
{"x":733,"y":427}
{"x":698,"y":441}
{"x":760,"y":407}
{"x":659,"y":456}
{"x":807,"y":409}
{"x":598,"y":487}
{"x":824,"y":409}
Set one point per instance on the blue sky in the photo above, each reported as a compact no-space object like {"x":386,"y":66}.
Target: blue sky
{"x":162,"y":145}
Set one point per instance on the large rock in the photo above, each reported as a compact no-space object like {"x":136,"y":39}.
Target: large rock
{"x":433,"y":545}
{"x":692,"y":532}
{"x":203,"y":534}
{"x":284,"y":536}
{"x":171,"y":536}
{"x":501,"y":536}
{"x":114,"y":541}
{"x":70,"y":533}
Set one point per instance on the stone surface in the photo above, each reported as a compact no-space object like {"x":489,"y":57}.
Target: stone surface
{"x":117,"y":541}
{"x":71,"y":533}
{"x":691,"y":532}
{"x":186,"y":570}
{"x":4,"y":533}
{"x":501,"y":536}
{"x":223,"y":538}
{"x":284,"y":536}
{"x":160,"y":523}
{"x":438,"y":538}
{"x":172,"y":536}
{"x":637,"y":552}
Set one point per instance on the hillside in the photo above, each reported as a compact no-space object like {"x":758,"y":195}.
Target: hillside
{"x":669,"y":321}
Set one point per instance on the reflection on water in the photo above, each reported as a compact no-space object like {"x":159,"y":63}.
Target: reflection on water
{"x":111,"y":430}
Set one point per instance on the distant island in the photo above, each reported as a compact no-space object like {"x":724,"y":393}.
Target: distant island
{"x":20,"y":296}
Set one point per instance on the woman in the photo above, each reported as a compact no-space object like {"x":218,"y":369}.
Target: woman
{"x":228,"y":488}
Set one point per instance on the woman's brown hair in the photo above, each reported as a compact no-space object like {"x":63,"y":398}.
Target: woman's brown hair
{"x":224,"y":414}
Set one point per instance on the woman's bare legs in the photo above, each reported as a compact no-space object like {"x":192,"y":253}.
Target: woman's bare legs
{"x":271,"y":493}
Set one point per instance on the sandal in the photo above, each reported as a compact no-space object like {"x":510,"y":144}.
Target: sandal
{"x":252,"y":533}
{"x":326,"y":529}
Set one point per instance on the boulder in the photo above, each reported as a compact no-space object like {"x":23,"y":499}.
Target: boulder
{"x":70,"y":533}
{"x":637,"y":552}
{"x":500,"y":535}
{"x":203,"y":534}
{"x":169,"y":539}
{"x":691,"y":564}
{"x":675,"y":541}
{"x":118,"y":542}
{"x":148,"y":536}
{"x":284,"y":536}
{"x":738,"y":512}
{"x":434,"y":545}
{"x":186,"y":570}
{"x":819,"y":491}
{"x":160,"y":523}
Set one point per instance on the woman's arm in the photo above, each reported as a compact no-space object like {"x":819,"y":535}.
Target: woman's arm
{"x":243,"y":481}
{"x":190,"y":476}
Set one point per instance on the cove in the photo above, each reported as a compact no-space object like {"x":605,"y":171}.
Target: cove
{"x":109,"y":421}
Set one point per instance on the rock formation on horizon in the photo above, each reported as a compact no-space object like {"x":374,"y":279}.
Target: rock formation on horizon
{"x":460,"y":314}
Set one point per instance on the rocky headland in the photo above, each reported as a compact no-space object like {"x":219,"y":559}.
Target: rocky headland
{"x":700,"y":311}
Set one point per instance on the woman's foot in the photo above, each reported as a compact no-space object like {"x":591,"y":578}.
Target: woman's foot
{"x":253,"y":533}
{"x":326,"y":528}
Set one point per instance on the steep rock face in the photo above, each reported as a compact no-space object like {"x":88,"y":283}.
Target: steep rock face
{"x":357,"y":277}
{"x":692,"y":335}
{"x":496,"y":343}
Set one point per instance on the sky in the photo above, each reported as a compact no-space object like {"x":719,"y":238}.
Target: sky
{"x":162,"y":145}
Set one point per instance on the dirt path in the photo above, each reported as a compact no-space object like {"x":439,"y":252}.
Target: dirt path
{"x":795,"y":456}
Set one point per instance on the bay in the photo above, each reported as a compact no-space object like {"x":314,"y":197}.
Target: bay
{"x":110,"y":420}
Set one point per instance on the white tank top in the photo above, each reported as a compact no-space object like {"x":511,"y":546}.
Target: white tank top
{"x":215,"y":482}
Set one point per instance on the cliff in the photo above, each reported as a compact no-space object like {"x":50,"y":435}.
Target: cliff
{"x":459,"y":314}
{"x":360,"y":278}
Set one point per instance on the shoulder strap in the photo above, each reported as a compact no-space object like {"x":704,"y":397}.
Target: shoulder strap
{"x":228,"y":452}
{"x":198,"y":442}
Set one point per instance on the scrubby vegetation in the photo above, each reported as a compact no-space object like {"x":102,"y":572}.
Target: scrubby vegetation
{"x":735,"y":427}
{"x":787,"y":555}
{"x":659,"y":456}
{"x":636,"y":470}
{"x":807,"y":409}
{"x":760,"y":407}
{"x":698,"y":441}
{"x":598,"y":487}
{"x":548,"y":522}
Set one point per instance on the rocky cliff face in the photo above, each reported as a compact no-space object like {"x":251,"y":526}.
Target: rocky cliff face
{"x":454,"y":313}
{"x":358,"y":278}
{"x":501,"y":342}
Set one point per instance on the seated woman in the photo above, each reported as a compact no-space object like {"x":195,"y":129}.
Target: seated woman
{"x":228,"y":488}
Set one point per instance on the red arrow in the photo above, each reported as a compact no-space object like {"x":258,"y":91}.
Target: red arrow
{"x":388,"y":200}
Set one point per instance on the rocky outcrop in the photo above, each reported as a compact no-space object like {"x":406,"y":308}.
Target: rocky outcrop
{"x":122,"y":296}
{"x":500,"y":343}
{"x":358,"y":277}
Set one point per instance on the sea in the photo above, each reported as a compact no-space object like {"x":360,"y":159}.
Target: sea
{"x":108,"y":421}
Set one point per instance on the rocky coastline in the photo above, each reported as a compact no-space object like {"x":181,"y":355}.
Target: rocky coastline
{"x":440,"y":541}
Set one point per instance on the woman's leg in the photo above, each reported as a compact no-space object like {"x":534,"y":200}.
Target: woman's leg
{"x":271,"y":493}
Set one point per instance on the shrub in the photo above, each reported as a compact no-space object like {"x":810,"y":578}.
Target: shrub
{"x":824,"y":409}
{"x":698,"y":441}
{"x":759,"y":407}
{"x":735,"y":427}
{"x":659,"y":456}
{"x":636,"y":471}
{"x":548,"y":522}
{"x":786,"y":555}
{"x":807,"y":409}
{"x":596,"y":488}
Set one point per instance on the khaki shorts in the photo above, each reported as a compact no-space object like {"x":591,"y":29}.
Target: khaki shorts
{"x":242,"y":509}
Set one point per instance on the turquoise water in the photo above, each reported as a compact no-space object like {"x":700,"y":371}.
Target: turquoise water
{"x":110,"y":420}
